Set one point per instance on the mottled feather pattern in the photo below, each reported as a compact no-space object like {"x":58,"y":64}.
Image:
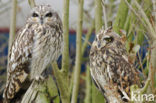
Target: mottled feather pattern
{"x":109,"y":67}
{"x":19,"y":56}
{"x":42,"y":41}
{"x":37,"y":44}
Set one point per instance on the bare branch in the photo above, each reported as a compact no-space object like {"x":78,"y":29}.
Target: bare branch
{"x":13,"y":23}
{"x":86,"y":39}
{"x":65,"y":54}
{"x":98,"y":15}
{"x":78,"y":53}
{"x":32,"y":3}
{"x":104,"y":14}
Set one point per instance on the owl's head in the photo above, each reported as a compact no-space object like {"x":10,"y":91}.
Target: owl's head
{"x":44,"y":15}
{"x":106,"y":38}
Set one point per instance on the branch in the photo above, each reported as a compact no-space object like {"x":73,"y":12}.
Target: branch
{"x":65,"y":54}
{"x":86,"y":40}
{"x":149,"y":26}
{"x":104,"y":14}
{"x":78,"y":52}
{"x":121,"y":16}
{"x":88,"y":86}
{"x":38,"y":92}
{"x":32,"y":3}
{"x":96,"y":95}
{"x":62,"y":83}
{"x":152,"y":66}
{"x":144,"y":20}
{"x":98,"y":15}
{"x":12,"y":24}
{"x":154,"y":9}
{"x":61,"y":76}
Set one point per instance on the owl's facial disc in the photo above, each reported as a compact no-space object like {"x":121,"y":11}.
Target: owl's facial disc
{"x":104,"y":41}
{"x":48,"y":17}
{"x":37,"y":18}
{"x":108,"y":39}
{"x":42,"y":18}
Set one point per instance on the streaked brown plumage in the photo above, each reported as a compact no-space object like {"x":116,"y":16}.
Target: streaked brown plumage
{"x":37,"y":44}
{"x":110,"y":68}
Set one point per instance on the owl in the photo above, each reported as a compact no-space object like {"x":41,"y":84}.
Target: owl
{"x":37,"y":44}
{"x":110,"y":68}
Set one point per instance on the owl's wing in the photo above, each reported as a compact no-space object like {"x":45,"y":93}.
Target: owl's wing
{"x":94,"y":76}
{"x":19,"y":60}
{"x":123,"y":74}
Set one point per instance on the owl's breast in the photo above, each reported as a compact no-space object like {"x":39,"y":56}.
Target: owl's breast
{"x":47,"y":42}
{"x":47,"y":47}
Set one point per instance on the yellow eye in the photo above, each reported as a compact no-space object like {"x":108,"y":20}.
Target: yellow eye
{"x":110,"y":39}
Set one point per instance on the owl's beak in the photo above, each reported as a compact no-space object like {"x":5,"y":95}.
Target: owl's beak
{"x":99,"y":44}
{"x":41,"y":20}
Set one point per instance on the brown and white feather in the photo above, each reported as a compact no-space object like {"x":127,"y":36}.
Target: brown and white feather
{"x":37,"y":44}
{"x":110,"y":68}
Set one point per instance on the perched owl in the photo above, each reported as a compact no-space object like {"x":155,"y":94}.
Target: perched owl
{"x":110,"y":68}
{"x":37,"y":44}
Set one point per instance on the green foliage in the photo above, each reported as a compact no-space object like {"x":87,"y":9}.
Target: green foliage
{"x":121,"y":16}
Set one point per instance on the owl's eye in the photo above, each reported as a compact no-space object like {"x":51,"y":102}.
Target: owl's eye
{"x":35,"y":15}
{"x":49,"y":14}
{"x":110,"y":39}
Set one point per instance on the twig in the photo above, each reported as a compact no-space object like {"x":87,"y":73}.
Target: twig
{"x":87,"y":42}
{"x":88,"y":86}
{"x":86,"y":39}
{"x":144,"y":89}
{"x":122,"y":14}
{"x":149,"y":26}
{"x":141,"y":66}
{"x":78,"y":53}
{"x":98,"y":15}
{"x":145,"y":23}
{"x":96,"y":95}
{"x":32,"y":3}
{"x":62,"y":75}
{"x":152,"y":64}
{"x":62,"y":83}
{"x":104,"y":14}
{"x":12,"y":24}
{"x":154,"y":13}
{"x":65,"y":54}
{"x":154,"y":9}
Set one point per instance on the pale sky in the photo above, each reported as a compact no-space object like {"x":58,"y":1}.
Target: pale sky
{"x":24,"y":9}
